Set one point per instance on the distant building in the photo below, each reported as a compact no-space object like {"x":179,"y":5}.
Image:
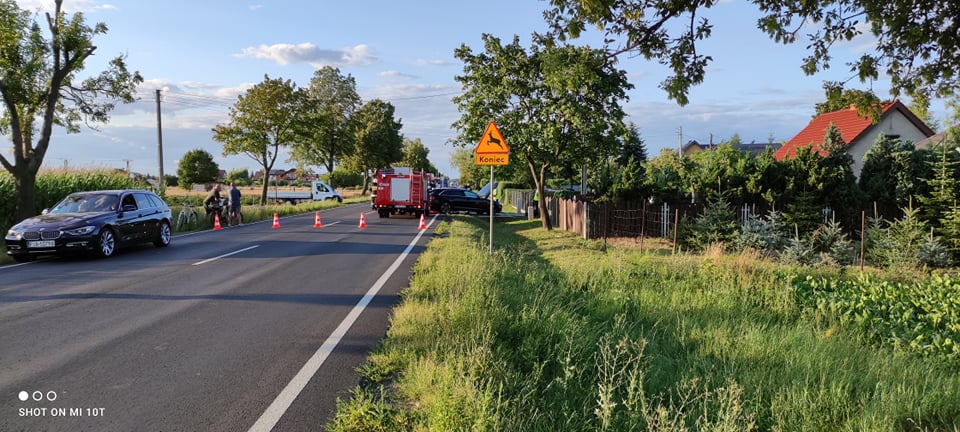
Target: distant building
{"x":756,"y":148}
{"x":896,"y":120}
{"x":753,"y":147}
{"x":933,"y":140}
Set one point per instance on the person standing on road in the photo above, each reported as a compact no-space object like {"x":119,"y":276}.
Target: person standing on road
{"x":235,"y":216}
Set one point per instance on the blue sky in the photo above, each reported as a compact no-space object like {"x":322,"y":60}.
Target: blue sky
{"x":203,"y":54}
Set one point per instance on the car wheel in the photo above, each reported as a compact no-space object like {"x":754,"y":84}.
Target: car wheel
{"x":106,"y":242}
{"x":339,"y":199}
{"x":445,"y":208}
{"x":163,"y":235}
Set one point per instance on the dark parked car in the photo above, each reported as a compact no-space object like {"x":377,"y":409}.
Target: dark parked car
{"x":95,"y":221}
{"x":453,"y":199}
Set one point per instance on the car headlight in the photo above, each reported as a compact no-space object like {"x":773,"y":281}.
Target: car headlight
{"x":14,"y":235}
{"x":80,"y":231}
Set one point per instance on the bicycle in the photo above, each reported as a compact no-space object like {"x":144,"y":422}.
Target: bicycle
{"x":188,"y":216}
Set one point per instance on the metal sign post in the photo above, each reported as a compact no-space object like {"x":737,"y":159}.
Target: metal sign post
{"x":490,"y":198}
{"x":492,"y":150}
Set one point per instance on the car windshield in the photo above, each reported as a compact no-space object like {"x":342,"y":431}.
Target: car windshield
{"x":86,"y":203}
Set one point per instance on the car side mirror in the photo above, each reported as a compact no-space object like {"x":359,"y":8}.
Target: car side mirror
{"x":129,"y":208}
{"x":45,"y":211}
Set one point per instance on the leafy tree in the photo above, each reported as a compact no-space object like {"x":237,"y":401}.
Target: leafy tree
{"x":920,"y":106}
{"x":765,"y":235}
{"x":379,"y":142}
{"x":197,"y":166}
{"x":628,"y":181}
{"x":919,"y":51}
{"x":623,"y":176}
{"x":766,"y":179}
{"x":834,"y":180}
{"x":735,"y":140}
{"x":943,"y":187}
{"x":40,"y":89}
{"x":465,"y":162}
{"x":665,"y":179}
{"x":833,"y":245}
{"x":240,"y":176}
{"x":344,"y":178}
{"x":416,"y":156}
{"x":557,"y":105}
{"x":717,"y":225}
{"x":906,"y":243}
{"x":839,"y":98}
{"x":950,"y":229}
{"x":261,"y":122}
{"x":325,"y":128}
{"x":718,"y":172}
{"x":802,"y":205}
{"x":632,"y":146}
{"x":892,"y":174}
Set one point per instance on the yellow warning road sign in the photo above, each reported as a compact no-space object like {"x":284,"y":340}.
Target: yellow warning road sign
{"x":493,"y":148}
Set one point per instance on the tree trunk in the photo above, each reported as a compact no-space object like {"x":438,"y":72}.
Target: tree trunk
{"x":539,"y":177}
{"x":266,"y":185}
{"x":25,"y":184}
{"x":329,"y":168}
{"x":366,"y":184}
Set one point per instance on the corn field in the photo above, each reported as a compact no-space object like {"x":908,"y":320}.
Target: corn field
{"x":52,"y":186}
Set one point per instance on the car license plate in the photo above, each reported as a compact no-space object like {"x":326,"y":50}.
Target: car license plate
{"x":41,"y":244}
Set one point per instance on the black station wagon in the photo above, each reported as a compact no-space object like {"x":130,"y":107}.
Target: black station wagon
{"x":94,"y":221}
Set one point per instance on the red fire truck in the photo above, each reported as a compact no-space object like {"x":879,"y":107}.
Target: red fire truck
{"x":402,"y":190}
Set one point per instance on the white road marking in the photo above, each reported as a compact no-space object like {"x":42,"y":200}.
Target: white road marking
{"x":272,"y":415}
{"x":225,"y":255}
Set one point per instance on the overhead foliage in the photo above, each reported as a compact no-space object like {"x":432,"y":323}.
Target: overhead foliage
{"x":916,"y":44}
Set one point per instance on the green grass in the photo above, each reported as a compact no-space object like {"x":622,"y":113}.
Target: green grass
{"x":555,"y":333}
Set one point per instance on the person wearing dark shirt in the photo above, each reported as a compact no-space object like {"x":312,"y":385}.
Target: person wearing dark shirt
{"x":235,"y":216}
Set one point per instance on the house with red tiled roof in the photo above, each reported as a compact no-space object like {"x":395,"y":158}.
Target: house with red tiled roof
{"x":896,"y":120}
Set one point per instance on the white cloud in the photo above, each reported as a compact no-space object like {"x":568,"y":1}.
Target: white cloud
{"x":309,"y":53}
{"x":435,"y":62}
{"x":69,"y":7}
{"x":397,"y":74}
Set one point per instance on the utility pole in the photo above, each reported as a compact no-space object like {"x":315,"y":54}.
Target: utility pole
{"x":162,"y":181}
{"x":680,"y":142}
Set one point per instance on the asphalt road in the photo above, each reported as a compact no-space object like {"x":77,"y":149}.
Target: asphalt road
{"x":246,"y":328}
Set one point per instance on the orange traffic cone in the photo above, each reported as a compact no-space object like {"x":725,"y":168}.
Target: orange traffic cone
{"x":276,"y":221}
{"x":216,"y":221}
{"x":422,"y":226}
{"x":363,"y":223}
{"x":316,"y":221}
